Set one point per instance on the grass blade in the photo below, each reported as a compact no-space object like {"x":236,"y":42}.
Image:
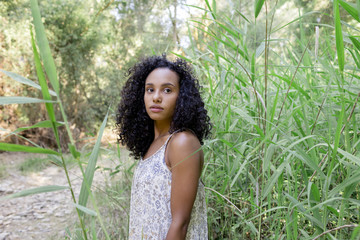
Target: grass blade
{"x":21,"y":148}
{"x":355,"y":42}
{"x":211,"y":11}
{"x":242,"y":15}
{"x":273,"y":179}
{"x":355,"y":178}
{"x":32,"y":191}
{"x":90,"y":169}
{"x":42,"y":124}
{"x":349,"y":156}
{"x":243,"y":114}
{"x":339,"y":36}
{"x":44,"y":46}
{"x":22,"y":100}
{"x":43,"y":84}
{"x":25,"y":81}
{"x":258,"y":6}
{"x":85,"y":210}
{"x":351,"y":9}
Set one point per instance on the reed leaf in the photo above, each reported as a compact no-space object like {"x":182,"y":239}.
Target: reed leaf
{"x":44,"y":46}
{"x":339,"y":36}
{"x":42,"y":124}
{"x":43,"y":84}
{"x":211,"y":10}
{"x":355,"y":178}
{"x":356,"y":233}
{"x":90,"y":168}
{"x":21,"y":148}
{"x":351,"y":9}
{"x":25,"y":81}
{"x":32,"y":191}
{"x":273,"y":179}
{"x":349,"y":156}
{"x":355,"y":42}
{"x":242,"y":113}
{"x":356,"y":57}
{"x":22,"y":100}
{"x":85,"y":210}
{"x":258,"y":6}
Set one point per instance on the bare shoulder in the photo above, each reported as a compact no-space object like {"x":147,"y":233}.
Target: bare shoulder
{"x":184,"y":145}
{"x":184,"y":139}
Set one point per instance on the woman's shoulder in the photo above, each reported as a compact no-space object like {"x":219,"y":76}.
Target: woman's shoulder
{"x":184,"y":138}
{"x":183,"y":146}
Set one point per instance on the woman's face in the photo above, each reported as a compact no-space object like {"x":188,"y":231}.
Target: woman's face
{"x":161,"y":92}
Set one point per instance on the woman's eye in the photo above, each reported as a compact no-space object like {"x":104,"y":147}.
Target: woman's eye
{"x":149,"y":90}
{"x":167,"y":90}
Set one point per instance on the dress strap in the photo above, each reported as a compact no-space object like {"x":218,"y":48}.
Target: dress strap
{"x":168,"y":139}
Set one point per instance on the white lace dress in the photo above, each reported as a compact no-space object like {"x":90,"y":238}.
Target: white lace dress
{"x":150,"y":213}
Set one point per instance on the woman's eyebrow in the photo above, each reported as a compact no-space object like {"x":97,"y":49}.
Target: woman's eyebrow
{"x":164,"y":84}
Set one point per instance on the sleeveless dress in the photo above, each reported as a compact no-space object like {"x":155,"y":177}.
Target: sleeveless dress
{"x":150,"y":212}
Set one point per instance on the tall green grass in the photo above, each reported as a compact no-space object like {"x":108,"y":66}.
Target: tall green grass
{"x":46,"y":70}
{"x":284,"y":161}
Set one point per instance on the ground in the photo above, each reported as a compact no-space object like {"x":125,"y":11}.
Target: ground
{"x":41,"y":216}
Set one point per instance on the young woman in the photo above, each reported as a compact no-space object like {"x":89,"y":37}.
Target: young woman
{"x":162,"y":120}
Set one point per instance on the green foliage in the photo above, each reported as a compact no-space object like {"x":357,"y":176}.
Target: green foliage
{"x":49,"y":65}
{"x":285,"y":165}
{"x":34,"y":164}
{"x":112,"y":200}
{"x":90,"y":168}
{"x":20,"y":148}
{"x":93,"y":44}
{"x":258,"y":6}
{"x":284,"y":159}
{"x":27,"y":192}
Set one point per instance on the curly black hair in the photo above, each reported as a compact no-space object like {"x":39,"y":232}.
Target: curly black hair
{"x":135,"y":127}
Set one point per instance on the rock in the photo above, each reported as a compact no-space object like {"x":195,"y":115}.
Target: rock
{"x":37,"y":216}
{"x":7,"y":222}
{"x":59,"y":214}
{"x":4,"y":235}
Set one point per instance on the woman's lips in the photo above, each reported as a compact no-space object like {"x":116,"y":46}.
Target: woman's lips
{"x":156,"y":109}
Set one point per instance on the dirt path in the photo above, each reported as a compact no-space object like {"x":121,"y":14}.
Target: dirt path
{"x":41,"y":216}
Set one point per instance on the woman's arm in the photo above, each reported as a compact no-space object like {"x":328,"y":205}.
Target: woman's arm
{"x":185,"y":160}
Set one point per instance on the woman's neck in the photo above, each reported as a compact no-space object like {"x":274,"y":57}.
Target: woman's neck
{"x":161,"y":129}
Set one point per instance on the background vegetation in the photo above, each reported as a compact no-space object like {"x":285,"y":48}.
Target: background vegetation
{"x":281,"y":83}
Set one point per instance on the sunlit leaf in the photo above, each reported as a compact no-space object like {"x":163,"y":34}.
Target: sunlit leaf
{"x":90,"y":168}
{"x":44,"y":46}
{"x":25,"y":81}
{"x":272,"y":181}
{"x":243,"y":114}
{"x":85,"y":210}
{"x":22,"y":100}
{"x":21,"y":148}
{"x":42,"y":124}
{"x":339,"y":36}
{"x":351,"y":9}
{"x":355,"y":42}
{"x":42,"y":81}
{"x":258,"y":6}
{"x":355,"y":178}
{"x":73,"y":151}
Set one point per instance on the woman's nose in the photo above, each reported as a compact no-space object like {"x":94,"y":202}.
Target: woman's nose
{"x":157,"y":97}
